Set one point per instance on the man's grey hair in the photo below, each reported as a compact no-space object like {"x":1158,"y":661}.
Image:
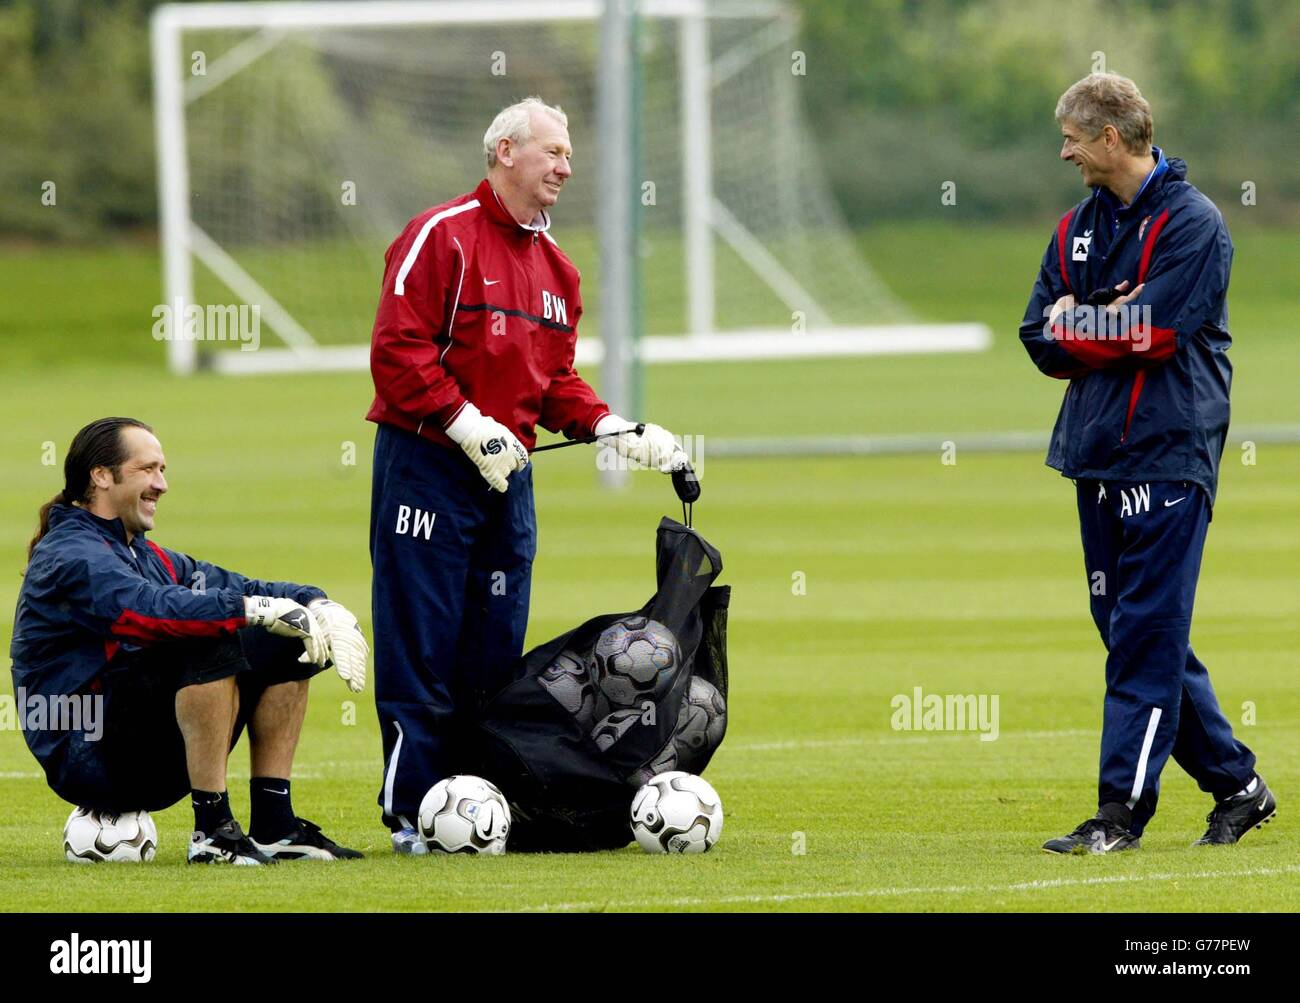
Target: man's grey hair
{"x":1102,"y":99}
{"x":515,"y":124}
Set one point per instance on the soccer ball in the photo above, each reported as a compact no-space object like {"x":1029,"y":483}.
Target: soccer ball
{"x":464,"y":814}
{"x":630,"y":658}
{"x":569,"y":682}
{"x":614,"y":726}
{"x":701,"y":723}
{"x":676,"y":813}
{"x":92,"y":837}
{"x":665,"y":759}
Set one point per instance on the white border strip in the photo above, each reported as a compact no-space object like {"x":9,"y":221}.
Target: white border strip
{"x":1047,"y":884}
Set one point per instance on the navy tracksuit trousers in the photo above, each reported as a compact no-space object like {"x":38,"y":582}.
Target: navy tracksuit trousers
{"x":452,"y":562}
{"x":1142,"y":547}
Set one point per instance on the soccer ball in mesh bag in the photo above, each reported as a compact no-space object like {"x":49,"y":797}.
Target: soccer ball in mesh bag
{"x":676,"y":813}
{"x":93,"y":837}
{"x":464,"y":814}
{"x":614,"y":726}
{"x":568,"y":680}
{"x":630,"y":656}
{"x":665,"y":759}
{"x":702,"y":721}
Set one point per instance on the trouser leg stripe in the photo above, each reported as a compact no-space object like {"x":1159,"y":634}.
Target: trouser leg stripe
{"x":391,"y":775}
{"x":1142,"y":759}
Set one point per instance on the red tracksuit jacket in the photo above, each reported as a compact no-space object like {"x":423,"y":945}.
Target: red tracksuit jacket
{"x":477,"y":308}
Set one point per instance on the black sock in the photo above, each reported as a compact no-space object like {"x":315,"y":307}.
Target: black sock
{"x":272,"y":814}
{"x":211,"y":810}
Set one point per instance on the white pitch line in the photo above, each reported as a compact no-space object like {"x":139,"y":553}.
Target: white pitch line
{"x":1021,"y":886}
{"x":905,"y":739}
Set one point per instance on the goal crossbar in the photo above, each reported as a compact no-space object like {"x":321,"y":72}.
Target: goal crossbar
{"x":705,"y":216}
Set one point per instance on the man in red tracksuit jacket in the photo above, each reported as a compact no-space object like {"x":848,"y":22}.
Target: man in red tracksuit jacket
{"x":472,"y":349}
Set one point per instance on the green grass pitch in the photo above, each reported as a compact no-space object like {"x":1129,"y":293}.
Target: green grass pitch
{"x":854,"y":581}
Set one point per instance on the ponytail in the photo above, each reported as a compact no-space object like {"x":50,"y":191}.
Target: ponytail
{"x":43,"y":522}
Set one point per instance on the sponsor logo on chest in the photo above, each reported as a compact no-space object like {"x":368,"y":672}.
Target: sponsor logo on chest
{"x":1081,"y":246}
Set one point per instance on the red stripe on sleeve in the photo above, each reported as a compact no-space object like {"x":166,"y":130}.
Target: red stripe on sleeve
{"x":1062,"y":235}
{"x":133,"y":626}
{"x":1163,"y":343}
{"x":1098,"y":352}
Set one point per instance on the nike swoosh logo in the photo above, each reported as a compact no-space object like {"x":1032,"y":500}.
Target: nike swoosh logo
{"x":1107,"y":847}
{"x":269,"y":791}
{"x":1262,"y":802}
{"x":1168,"y":503}
{"x":490,"y":282}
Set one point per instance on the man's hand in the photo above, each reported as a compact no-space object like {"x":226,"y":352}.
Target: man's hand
{"x":654,"y":447}
{"x":1066,"y":302}
{"x":495,"y":450}
{"x":347,"y":644}
{"x":286,"y":618}
{"x":1114,"y":305}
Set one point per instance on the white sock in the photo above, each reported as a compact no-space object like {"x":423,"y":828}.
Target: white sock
{"x":1249,"y":788}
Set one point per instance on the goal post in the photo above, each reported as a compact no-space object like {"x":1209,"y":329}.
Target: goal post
{"x":295,"y":139}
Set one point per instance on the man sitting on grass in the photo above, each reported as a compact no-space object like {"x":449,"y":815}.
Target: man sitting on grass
{"x":169,"y":647}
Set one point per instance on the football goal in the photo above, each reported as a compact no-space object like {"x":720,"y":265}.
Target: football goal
{"x":296,"y":139}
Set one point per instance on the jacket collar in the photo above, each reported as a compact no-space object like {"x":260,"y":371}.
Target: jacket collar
{"x":499,"y":214}
{"x":1166,"y":169}
{"x":76,"y":514}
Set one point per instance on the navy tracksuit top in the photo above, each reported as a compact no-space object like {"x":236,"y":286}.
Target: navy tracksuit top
{"x":1148,"y":401}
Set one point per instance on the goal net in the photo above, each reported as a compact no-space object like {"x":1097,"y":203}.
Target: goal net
{"x":295,"y":140}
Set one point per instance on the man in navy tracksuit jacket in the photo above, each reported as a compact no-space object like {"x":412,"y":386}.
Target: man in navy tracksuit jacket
{"x":136,"y":667}
{"x":1130,"y":307}
{"x":472,"y":350}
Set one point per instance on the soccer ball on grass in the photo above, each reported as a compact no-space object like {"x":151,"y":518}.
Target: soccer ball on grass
{"x":464,"y":814}
{"x":96,"y":837}
{"x":676,"y":813}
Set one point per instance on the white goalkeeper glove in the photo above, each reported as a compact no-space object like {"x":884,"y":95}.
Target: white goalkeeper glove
{"x":494,"y":448}
{"x":286,"y":618}
{"x":654,"y":447}
{"x":347,"y":644}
